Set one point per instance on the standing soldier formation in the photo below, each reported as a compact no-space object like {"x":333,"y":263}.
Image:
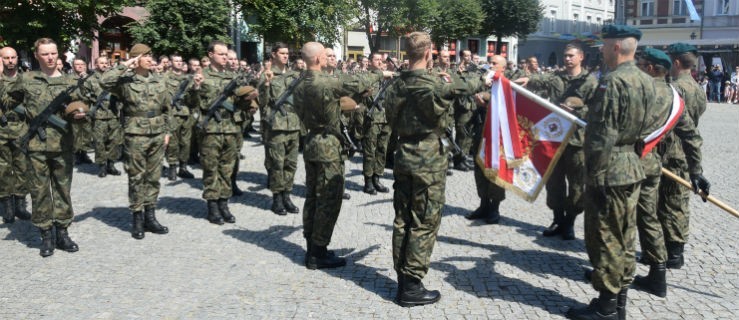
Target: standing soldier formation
{"x":106,"y":123}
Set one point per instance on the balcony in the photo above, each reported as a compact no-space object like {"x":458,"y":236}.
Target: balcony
{"x":664,"y":22}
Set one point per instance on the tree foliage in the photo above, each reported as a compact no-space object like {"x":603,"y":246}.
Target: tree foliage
{"x":23,"y":21}
{"x":457,"y":19}
{"x":511,"y":18}
{"x":299,"y":21}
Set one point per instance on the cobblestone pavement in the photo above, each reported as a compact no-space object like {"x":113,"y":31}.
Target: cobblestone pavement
{"x":253,"y":269}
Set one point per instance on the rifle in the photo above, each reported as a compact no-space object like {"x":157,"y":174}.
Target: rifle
{"x":180,"y":94}
{"x":380,"y":96}
{"x":38,"y":123}
{"x":105,"y":95}
{"x":220,"y":101}
{"x":280,"y":104}
{"x":449,"y":139}
{"x":347,"y":139}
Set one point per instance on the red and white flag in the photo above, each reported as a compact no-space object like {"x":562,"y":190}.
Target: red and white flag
{"x":523,"y":137}
{"x":678,"y":105}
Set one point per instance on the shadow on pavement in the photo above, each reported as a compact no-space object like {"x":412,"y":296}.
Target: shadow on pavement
{"x":23,"y":232}
{"x":195,"y":208}
{"x":116,"y":217}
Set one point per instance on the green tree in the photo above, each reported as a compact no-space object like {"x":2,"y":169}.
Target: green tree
{"x":511,"y":18}
{"x":299,"y":21}
{"x":395,"y":18}
{"x":183,"y":26}
{"x":457,"y":19}
{"x":23,"y":21}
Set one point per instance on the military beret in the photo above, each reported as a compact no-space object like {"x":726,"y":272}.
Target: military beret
{"x":573,"y":102}
{"x":75,"y":107}
{"x":680,"y":48}
{"x":139,"y":49}
{"x":347,"y":103}
{"x":620,"y":31}
{"x":244,"y":91}
{"x":657,"y":57}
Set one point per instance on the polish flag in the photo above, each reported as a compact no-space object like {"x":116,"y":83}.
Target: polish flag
{"x":523,"y":137}
{"x":678,"y":106}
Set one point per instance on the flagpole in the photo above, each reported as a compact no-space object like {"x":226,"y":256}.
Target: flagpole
{"x":710,"y":198}
{"x":546,"y":104}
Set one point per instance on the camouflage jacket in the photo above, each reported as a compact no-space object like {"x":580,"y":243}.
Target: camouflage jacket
{"x":268,"y":96}
{"x":213,"y":84}
{"x":464,"y":101}
{"x":560,"y":86}
{"x":144,"y":101}
{"x":656,"y":116}
{"x":681,"y":147}
{"x":173,"y":81}
{"x":317,"y":104}
{"x":94,"y":90}
{"x":417,"y":107}
{"x":377,"y":115}
{"x":616,"y":122}
{"x":693,"y":94}
{"x":35,"y":90}
{"x":16,"y":126}
{"x":513,"y":75}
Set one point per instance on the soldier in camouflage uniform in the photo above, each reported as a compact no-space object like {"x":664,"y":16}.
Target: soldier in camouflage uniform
{"x":464,"y":110}
{"x":673,"y":209}
{"x":417,"y":106}
{"x":232,"y":64}
{"x":566,"y":183}
{"x":82,"y":129}
{"x":145,"y":106}
{"x":178,"y":149}
{"x":13,"y":163}
{"x":106,"y":126}
{"x":218,"y":149}
{"x":283,"y":131}
{"x":50,"y":160}
{"x":657,"y":64}
{"x":376,"y":135}
{"x":613,"y":142}
{"x":316,"y":100}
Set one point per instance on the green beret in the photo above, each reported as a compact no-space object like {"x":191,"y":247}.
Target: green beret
{"x":657,"y":57}
{"x":139,"y":49}
{"x":680,"y":48}
{"x":620,"y":31}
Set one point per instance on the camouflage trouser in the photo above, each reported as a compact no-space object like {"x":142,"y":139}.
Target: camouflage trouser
{"x":566,"y":183}
{"x":82,"y":131}
{"x":108,"y":138}
{"x":324,"y":182}
{"x":463,"y":134}
{"x":356,"y":122}
{"x":218,"y":155}
{"x":178,"y":149}
{"x":651,"y":238}
{"x":487,"y":189}
{"x":375,"y":149}
{"x":13,"y":170}
{"x":144,"y":155}
{"x":282,"y":155}
{"x":418,"y":201}
{"x":673,"y":209}
{"x":610,"y":235}
{"x":49,"y":181}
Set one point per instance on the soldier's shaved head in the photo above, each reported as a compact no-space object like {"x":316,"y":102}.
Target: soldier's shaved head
{"x":9,"y":60}
{"x":498,"y":63}
{"x":312,"y":53}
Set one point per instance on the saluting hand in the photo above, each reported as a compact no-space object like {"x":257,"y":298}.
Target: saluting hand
{"x":132,"y":63}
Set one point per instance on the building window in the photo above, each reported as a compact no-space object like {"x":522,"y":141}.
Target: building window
{"x":553,"y":20}
{"x":647,"y":8}
{"x":679,"y":8}
{"x":598,"y":20}
{"x":722,"y":7}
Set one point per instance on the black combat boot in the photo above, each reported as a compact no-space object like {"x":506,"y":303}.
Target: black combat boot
{"x":225,"y":212}
{"x":63,"y":242}
{"x":378,"y":185}
{"x":346,"y":196}
{"x":83,"y":158}
{"x":603,"y":307}
{"x":493,"y":216}
{"x":137,"y":232}
{"x":459,"y":164}
{"x":150,"y":222}
{"x":20,"y":208}
{"x":469,"y":162}
{"x":412,"y":293}
{"x":319,"y":258}
{"x":183,"y":172}
{"x":111,"y":168}
{"x":47,"y":242}
{"x":481,"y":211}
{"x":675,"y":258}
{"x":655,"y":282}
{"x":172,"y":172}
{"x":369,"y":187}
{"x":289,"y":205}
{"x":568,"y":231}
{"x":103,"y":171}
{"x":278,"y":205}
{"x":8,"y":211}
{"x":621,"y":304}
{"x":557,"y":226}
{"x":214,"y":213}
{"x":235,"y":191}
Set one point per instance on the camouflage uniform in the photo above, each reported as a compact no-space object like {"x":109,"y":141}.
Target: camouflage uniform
{"x":106,"y":125}
{"x":13,"y":163}
{"x":417,"y":107}
{"x":144,"y":104}
{"x":376,"y":135}
{"x":615,"y":120}
{"x":317,"y":104}
{"x":464,"y":110}
{"x":50,"y":162}
{"x":284,"y":132}
{"x":178,"y":150}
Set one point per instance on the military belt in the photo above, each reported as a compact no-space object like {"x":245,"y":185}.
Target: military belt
{"x":414,"y":138}
{"x":145,"y":114}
